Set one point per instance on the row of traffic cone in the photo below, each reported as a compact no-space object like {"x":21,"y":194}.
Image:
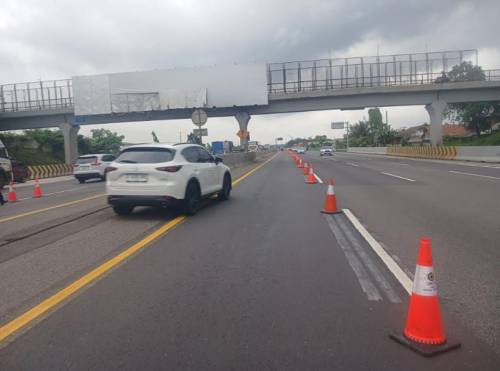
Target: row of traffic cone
{"x":424,"y":329}
{"x":13,"y":195}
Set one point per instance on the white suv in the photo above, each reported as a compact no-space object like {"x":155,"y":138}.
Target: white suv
{"x":165,"y":174}
{"x":92,"y":166}
{"x":326,"y":150}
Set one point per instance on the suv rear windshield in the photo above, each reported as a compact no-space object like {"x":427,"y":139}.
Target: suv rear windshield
{"x":146,"y":155}
{"x":86,"y":160}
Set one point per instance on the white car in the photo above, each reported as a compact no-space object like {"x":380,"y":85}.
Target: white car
{"x":163,"y":175}
{"x":301,"y":150}
{"x":326,"y":150}
{"x":92,"y":166}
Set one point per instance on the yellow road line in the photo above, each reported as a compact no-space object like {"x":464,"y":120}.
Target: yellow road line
{"x":42,"y":308}
{"x":49,"y":208}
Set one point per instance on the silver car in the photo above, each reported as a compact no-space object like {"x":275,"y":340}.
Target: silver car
{"x":92,"y":166}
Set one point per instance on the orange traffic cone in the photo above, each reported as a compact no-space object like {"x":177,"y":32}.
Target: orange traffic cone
{"x":424,"y":329}
{"x":311,"y":179}
{"x":331,"y":200}
{"x":12,"y":193}
{"x":38,"y":191}
{"x":306,"y":169}
{"x":301,"y":165}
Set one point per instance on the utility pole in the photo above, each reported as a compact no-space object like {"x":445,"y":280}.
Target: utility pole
{"x":347,"y":138}
{"x":180,"y":137}
{"x":386,"y":118}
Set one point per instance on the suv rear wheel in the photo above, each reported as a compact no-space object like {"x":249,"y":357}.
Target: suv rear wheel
{"x":192,"y":199}
{"x":123,"y":209}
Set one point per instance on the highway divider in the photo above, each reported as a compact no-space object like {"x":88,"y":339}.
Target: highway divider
{"x":50,"y":171}
{"x":231,"y":160}
{"x":464,"y":153}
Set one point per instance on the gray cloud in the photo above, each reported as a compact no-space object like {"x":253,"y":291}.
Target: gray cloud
{"x":60,"y":39}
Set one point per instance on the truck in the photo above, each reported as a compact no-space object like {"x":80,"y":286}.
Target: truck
{"x":253,"y":146}
{"x":220,"y":147}
{"x":5,"y":166}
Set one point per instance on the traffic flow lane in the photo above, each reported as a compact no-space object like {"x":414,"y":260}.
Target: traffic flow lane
{"x":492,"y":170}
{"x":275,"y":291}
{"x":50,"y":185}
{"x":39,"y":257}
{"x":455,"y":211}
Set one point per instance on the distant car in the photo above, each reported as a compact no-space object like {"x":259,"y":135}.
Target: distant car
{"x":301,"y":150}
{"x":282,"y":149}
{"x":326,"y":150}
{"x":92,"y":166}
{"x":162,"y":175}
{"x":294,"y":149}
{"x":20,"y":171}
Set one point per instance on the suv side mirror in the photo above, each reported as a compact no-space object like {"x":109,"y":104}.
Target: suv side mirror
{"x":218,"y":160}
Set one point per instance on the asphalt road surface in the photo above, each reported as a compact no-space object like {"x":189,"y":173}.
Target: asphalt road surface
{"x":263,"y":281}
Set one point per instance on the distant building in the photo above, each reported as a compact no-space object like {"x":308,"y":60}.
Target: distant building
{"x":421,"y":134}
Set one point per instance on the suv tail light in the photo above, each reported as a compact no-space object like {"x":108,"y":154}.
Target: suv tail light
{"x":169,"y":169}
{"x":75,"y":165}
{"x":96,"y":164}
{"x":110,"y":169}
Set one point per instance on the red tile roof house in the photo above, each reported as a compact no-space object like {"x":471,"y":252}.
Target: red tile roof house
{"x":421,"y":134}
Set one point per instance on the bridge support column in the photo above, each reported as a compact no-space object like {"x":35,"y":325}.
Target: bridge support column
{"x":70,"y":133}
{"x":243,"y":118}
{"x":436,"y":110}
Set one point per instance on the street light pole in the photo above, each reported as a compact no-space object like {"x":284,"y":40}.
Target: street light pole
{"x":347,"y":138}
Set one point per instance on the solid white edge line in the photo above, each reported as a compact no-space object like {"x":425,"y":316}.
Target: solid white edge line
{"x":482,"y":176}
{"x":379,"y":250}
{"x":318,"y":179}
{"x":400,"y":177}
{"x":348,"y":163}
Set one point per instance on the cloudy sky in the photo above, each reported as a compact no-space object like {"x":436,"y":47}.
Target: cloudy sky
{"x":55,"y":39}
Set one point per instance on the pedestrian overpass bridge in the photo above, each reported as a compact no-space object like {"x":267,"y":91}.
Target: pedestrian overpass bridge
{"x":246,"y":90}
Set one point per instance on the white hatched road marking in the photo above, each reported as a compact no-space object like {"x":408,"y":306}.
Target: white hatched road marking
{"x":360,"y":272}
{"x":400,"y":177}
{"x":482,"y":176}
{"x":318,"y":179}
{"x":348,"y":163}
{"x":389,"y":262}
{"x":334,"y":160}
{"x":379,"y":277}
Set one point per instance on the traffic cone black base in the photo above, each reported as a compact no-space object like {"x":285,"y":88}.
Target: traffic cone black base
{"x":426,"y":350}
{"x":331,"y":212}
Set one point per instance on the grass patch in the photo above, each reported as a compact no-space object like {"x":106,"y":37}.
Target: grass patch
{"x":33,"y":157}
{"x":484,"y":140}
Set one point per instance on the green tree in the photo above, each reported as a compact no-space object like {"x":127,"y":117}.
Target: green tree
{"x":375,"y":119}
{"x":385,"y":134}
{"x":106,"y":141}
{"x":405,"y":141}
{"x":474,"y":116}
{"x":191,"y":138}
{"x":361,"y":129}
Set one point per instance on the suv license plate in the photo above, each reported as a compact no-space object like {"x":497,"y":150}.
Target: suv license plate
{"x":137,"y":178}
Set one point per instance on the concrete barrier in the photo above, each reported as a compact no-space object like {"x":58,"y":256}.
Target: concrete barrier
{"x":369,"y":150}
{"x":465,"y":153}
{"x":50,"y":171}
{"x":240,"y":159}
{"x":477,"y":153}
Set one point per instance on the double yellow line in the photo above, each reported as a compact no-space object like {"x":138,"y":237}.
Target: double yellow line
{"x":11,"y":328}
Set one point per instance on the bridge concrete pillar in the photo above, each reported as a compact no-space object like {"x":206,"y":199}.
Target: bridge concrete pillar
{"x":243,"y":118}
{"x":70,"y":133}
{"x":436,"y":110}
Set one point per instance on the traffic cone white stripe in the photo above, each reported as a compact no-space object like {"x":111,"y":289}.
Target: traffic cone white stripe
{"x":424,"y":283}
{"x":330,"y":190}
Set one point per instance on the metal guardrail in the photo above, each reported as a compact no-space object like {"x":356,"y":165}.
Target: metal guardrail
{"x":375,"y":71}
{"x":288,"y":77}
{"x":40,"y":95}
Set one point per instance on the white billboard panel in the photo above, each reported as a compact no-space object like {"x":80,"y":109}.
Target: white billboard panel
{"x":206,"y":87}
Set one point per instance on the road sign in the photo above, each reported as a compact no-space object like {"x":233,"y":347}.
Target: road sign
{"x":203,"y":132}
{"x":337,"y":125}
{"x":199,"y":117}
{"x":279,"y":139}
{"x":242,"y":133}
